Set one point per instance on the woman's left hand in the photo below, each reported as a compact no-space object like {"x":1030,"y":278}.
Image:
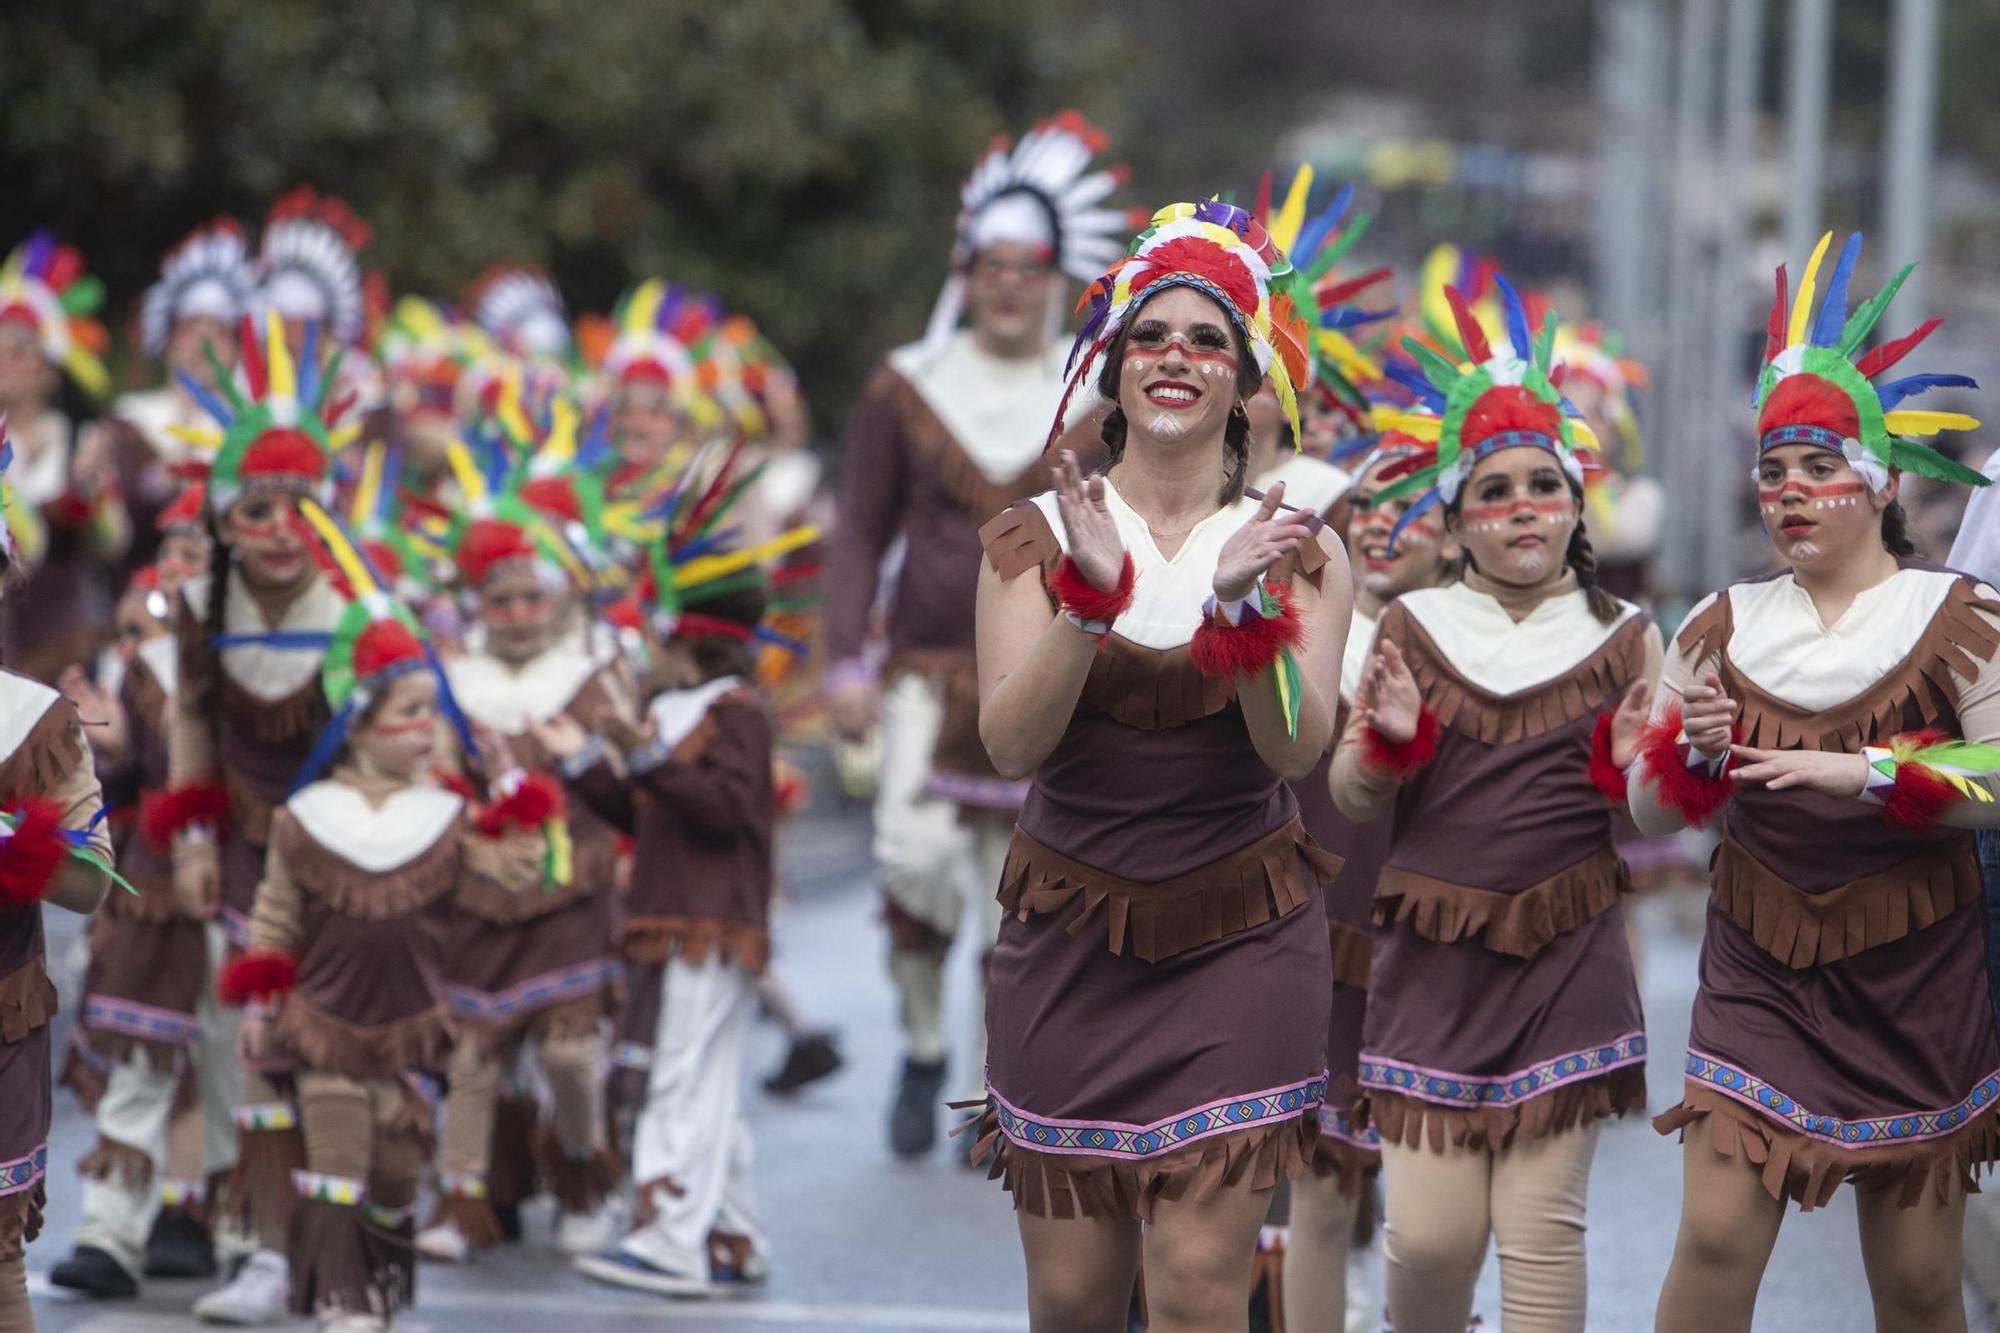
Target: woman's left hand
{"x":1809,"y":770}
{"x":1626,"y":723}
{"x":1257,"y":545}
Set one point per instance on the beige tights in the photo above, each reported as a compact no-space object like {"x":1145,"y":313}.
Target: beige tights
{"x":15,"y":1314}
{"x":1315,"y":1273}
{"x":1442,"y":1206}
{"x":1914,"y":1257}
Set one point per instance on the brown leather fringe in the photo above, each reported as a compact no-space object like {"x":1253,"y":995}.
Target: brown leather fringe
{"x":1918,"y":692}
{"x":489,"y":900}
{"x":1018,"y":538}
{"x":1350,"y":945}
{"x":1350,"y":1166}
{"x":27,"y":1000}
{"x":20,"y":1220}
{"x":1064,"y":1186}
{"x":1152,"y":689}
{"x":49,"y":752}
{"x":257,"y":1196}
{"x":250,"y":810}
{"x":1517,"y":924}
{"x":84,"y":1079}
{"x":654,"y":939}
{"x":936,"y":447}
{"x":579,"y":1185}
{"x":571,"y":1020}
{"x":473,"y":1218}
{"x":1270,"y":878}
{"x":1412,"y":1122}
{"x":108,"y":1157}
{"x":513,"y":1173}
{"x":367,"y":894}
{"x":1802,"y":929}
{"x":272,"y":721}
{"x":1810,"y":1171}
{"x":1582,"y":691}
{"x":392,"y":1261}
{"x":321,"y":1041}
{"x":332,"y":1269}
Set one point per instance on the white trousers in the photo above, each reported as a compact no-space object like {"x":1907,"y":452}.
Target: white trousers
{"x":135,"y":1110}
{"x":692,"y":1153}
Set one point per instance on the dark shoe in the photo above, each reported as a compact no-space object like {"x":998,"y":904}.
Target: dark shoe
{"x":179,"y":1246}
{"x":94,"y":1273}
{"x":509,"y":1215}
{"x":913,"y":1120}
{"x":811,"y":1058}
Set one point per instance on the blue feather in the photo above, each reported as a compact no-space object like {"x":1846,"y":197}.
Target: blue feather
{"x":1895,"y":391}
{"x":326,"y":748}
{"x":1313,"y":235}
{"x":1427,"y":501}
{"x":1833,"y":310}
{"x":703,"y":545}
{"x":286,"y":640}
{"x":1357,"y":446}
{"x":307,"y":371}
{"x":448,"y":705}
{"x":796,"y":647}
{"x":1412,"y":377}
{"x":1349,"y":317}
{"x":1517,"y":319}
{"x":209,"y":402}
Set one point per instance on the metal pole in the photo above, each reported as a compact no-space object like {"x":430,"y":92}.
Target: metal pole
{"x":1681,"y":415}
{"x":1908,"y":140}
{"x":1621,"y":203}
{"x":1809,"y":60}
{"x":1724,"y":467}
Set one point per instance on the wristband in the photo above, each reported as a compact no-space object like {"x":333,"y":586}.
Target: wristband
{"x":1604,"y":769}
{"x":1686,"y":781}
{"x":576,"y":765}
{"x":1074,"y":592}
{"x":1242,"y":647}
{"x":1099,"y":628}
{"x":1402,"y":757}
{"x":1921,"y":775}
{"x":1881,"y":784}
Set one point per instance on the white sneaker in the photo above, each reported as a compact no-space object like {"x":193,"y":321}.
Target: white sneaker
{"x":444,"y":1243}
{"x":581,"y":1233}
{"x":626,"y":1270}
{"x":259,"y":1294}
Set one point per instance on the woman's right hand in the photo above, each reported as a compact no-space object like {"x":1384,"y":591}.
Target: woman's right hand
{"x":1094,"y":544}
{"x":253,"y":1040}
{"x":1388,"y":697}
{"x":198,"y":880}
{"x":1708,"y":716}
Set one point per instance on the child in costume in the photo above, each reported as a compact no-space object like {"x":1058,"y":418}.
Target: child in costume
{"x":1840,"y":716}
{"x":252,"y":633}
{"x":1491,"y":727}
{"x":53,"y":848}
{"x":348,"y":931}
{"x":697,"y":796}
{"x":541,"y":963}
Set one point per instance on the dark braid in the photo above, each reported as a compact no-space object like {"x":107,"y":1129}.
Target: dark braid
{"x":1581,"y":558}
{"x":1235,"y":434}
{"x":1896,"y":531}
{"x":218,"y":586}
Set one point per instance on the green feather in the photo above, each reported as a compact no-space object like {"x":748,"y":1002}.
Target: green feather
{"x":326,"y":379}
{"x":1928,"y":462}
{"x":1962,"y":754}
{"x":1440,"y":370}
{"x":1862,"y":322}
{"x":1545,"y":346}
{"x":224,"y":380}
{"x":83,"y":296}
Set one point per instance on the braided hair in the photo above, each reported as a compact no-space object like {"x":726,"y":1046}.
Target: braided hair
{"x":1579,"y":556}
{"x":219,"y":562}
{"x":1235,"y":434}
{"x":1896,"y":531}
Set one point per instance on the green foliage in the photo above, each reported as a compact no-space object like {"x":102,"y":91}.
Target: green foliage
{"x":798,"y":157}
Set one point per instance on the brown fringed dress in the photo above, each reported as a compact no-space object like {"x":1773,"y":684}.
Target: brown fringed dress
{"x":45,"y":758}
{"x":1155,"y":1014}
{"x":1502,"y":1004}
{"x":1836,"y":1034}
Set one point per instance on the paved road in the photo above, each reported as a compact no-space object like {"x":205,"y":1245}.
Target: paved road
{"x":864,"y":1242}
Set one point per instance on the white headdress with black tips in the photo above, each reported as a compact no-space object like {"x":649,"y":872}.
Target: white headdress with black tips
{"x":1040,"y":192}
{"x":520,"y":308}
{"x":308,"y":265}
{"x":208,"y":274}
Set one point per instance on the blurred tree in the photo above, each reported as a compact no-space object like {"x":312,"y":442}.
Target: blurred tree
{"x":800,"y":158}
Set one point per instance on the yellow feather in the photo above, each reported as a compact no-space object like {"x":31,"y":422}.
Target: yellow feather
{"x":368,"y":487}
{"x":201,"y":437}
{"x":560,"y":447}
{"x":1418,"y":425}
{"x":471,"y":485}
{"x":645,"y":306}
{"x":343,"y":435}
{"x":337,"y":545}
{"x":1802,"y":307}
{"x":1918,"y":421}
{"x":278,"y":356}
{"x":712,"y":567}
{"x":1284,"y":228}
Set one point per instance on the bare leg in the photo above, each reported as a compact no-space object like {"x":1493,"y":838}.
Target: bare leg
{"x":1198,"y":1261}
{"x":1729,"y":1222}
{"x":1915,"y":1259}
{"x":1080,"y":1272}
{"x":1315,"y":1280}
{"x":1538,"y":1197}
{"x":1436,"y":1221}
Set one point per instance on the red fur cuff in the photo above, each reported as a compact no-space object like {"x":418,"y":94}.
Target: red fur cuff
{"x":537,"y":800}
{"x":1241,"y":651}
{"x":1918,"y":799}
{"x":1604,"y":770}
{"x":1075,"y":593}
{"x":1693,"y":793}
{"x":255,"y":976}
{"x":1402,"y":757}
{"x":31,"y":853}
{"x":164,"y":814}
{"x":457,"y":784}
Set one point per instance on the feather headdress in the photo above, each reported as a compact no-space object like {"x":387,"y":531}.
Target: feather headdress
{"x":1224,"y":253}
{"x":43,"y":285}
{"x":309,"y":265}
{"x":656,"y":327}
{"x":521,"y":310}
{"x":426,"y":351}
{"x":1815,"y":387}
{"x":1316,"y":242}
{"x":209,"y":274}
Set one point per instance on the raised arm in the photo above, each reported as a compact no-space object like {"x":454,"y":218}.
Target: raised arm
{"x":1323,"y":604}
{"x":79,"y":886}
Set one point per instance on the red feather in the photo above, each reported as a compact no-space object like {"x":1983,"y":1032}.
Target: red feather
{"x":488,"y":542}
{"x":255,"y":976}
{"x":1477,"y":349}
{"x":30,"y":856}
{"x":164,"y":814}
{"x":1202,"y":258}
{"x":1604,"y":770}
{"x":283,"y":452}
{"x":1263,"y":209}
{"x":456,"y":783}
{"x":536,"y":801}
{"x":1342,"y":291}
{"x":1244,"y":650}
{"x":1692,"y":793}
{"x":383,"y":643}
{"x":252,"y":357}
{"x":1075,"y":593}
{"x":554,"y":496}
{"x":1402,"y":757}
{"x":1808,"y":400}
{"x":1889,"y":353}
{"x":1774,"y":331}
{"x":1920,"y":797}
{"x":1509,"y":407}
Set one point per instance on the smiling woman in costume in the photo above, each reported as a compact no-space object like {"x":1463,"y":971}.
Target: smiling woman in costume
{"x":1838,"y":1033}
{"x":1503,"y":1015}
{"x":1158,"y":681}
